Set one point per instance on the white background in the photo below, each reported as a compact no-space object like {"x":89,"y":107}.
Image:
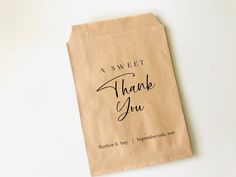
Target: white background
{"x":40,"y":132}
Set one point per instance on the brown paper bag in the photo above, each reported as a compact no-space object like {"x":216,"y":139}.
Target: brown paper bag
{"x":128,"y":99}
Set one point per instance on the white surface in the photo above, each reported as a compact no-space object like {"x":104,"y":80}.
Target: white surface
{"x":40,"y":132}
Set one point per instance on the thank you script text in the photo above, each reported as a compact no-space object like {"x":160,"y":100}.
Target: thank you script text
{"x":123,"y":85}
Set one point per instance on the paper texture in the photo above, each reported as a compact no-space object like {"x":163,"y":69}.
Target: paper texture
{"x":128,"y":99}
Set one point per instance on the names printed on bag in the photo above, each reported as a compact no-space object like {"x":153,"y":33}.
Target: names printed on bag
{"x":136,"y":140}
{"x":121,"y":89}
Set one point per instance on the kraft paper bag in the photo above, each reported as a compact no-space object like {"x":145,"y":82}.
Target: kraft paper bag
{"x":130,"y":109}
